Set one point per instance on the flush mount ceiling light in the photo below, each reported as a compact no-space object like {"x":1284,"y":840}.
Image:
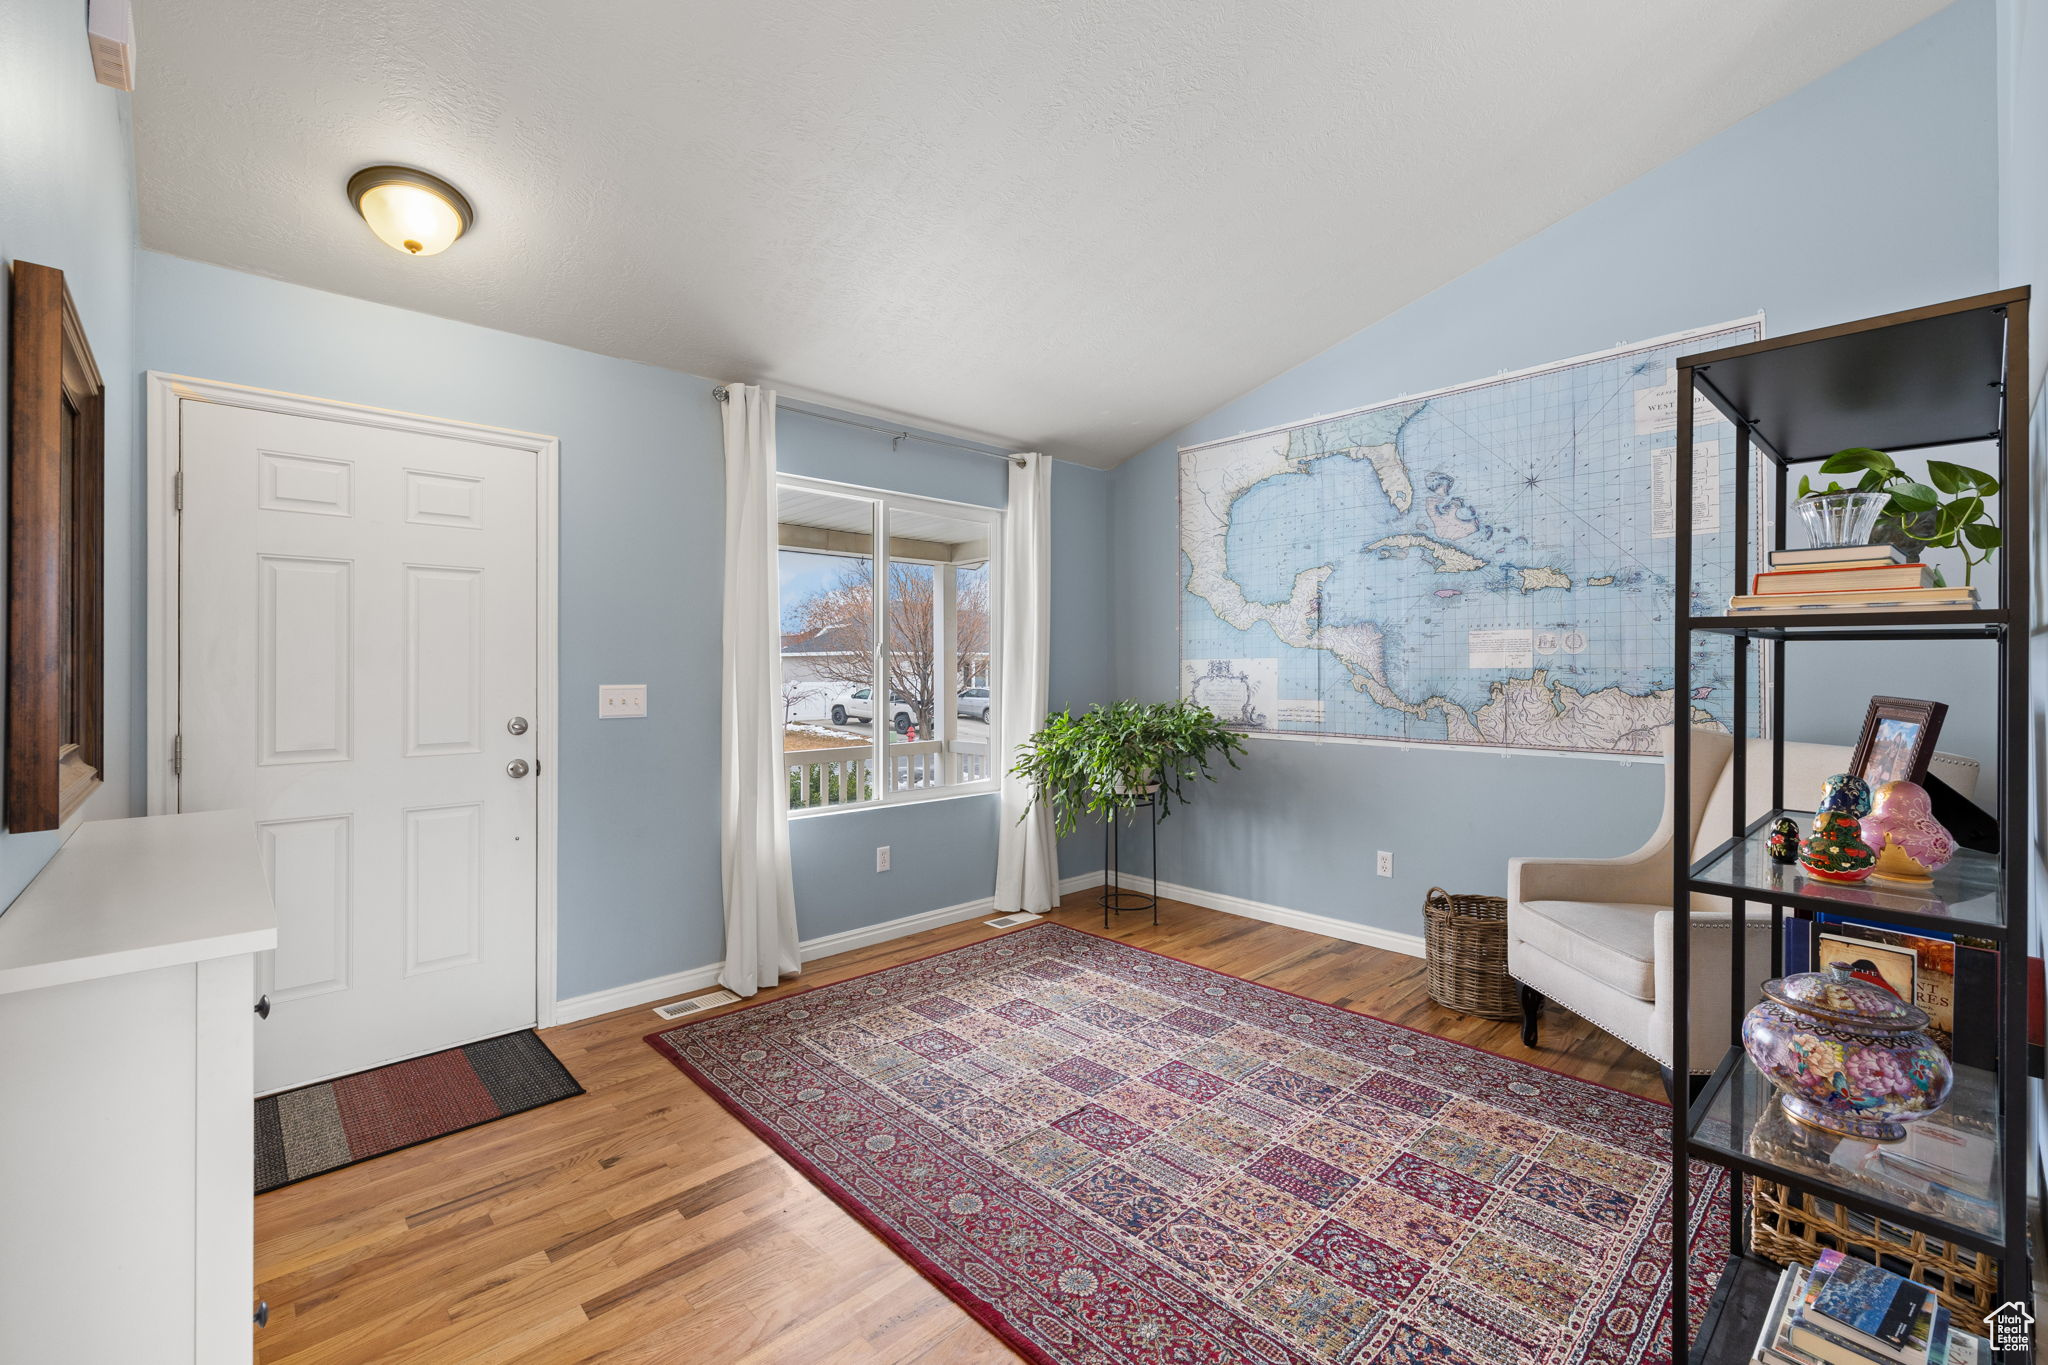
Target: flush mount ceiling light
{"x":409,"y":210}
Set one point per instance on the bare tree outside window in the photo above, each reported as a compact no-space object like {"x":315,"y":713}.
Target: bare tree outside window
{"x":970,"y":629}
{"x":794,"y":694}
{"x":844,"y":608}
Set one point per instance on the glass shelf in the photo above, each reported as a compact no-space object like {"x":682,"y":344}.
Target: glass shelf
{"x":1942,"y":1178}
{"x":1966,"y":897}
{"x":1984,"y":623}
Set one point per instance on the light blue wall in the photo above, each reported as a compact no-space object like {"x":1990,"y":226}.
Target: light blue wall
{"x":2023,"y":164}
{"x":67,"y":200}
{"x":942,"y":853}
{"x":1874,"y":188}
{"x":641,"y":512}
{"x":1083,"y":597}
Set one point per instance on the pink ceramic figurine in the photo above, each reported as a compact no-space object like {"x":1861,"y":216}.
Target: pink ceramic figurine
{"x":1910,"y":843}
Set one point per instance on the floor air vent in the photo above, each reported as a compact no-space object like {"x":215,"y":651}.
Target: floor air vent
{"x":1011,"y":921}
{"x":696,"y":1005}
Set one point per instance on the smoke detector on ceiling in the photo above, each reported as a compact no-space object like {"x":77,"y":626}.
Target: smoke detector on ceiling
{"x":110,"y":31}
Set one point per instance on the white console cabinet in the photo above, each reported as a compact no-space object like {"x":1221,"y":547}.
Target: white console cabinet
{"x":126,"y":1075}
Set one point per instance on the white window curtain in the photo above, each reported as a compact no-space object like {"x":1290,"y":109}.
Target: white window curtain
{"x":1027,"y":855}
{"x":760,"y":906}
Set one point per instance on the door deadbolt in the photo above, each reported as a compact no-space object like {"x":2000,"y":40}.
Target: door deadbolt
{"x":517,"y":725}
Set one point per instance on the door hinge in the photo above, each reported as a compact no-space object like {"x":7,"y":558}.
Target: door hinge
{"x":177,"y":755}
{"x":178,"y":490}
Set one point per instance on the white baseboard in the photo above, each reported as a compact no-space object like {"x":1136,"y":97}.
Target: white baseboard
{"x":1347,"y":930}
{"x":636,"y":993}
{"x":1329,"y":927}
{"x":703,"y":978}
{"x":847,"y":940}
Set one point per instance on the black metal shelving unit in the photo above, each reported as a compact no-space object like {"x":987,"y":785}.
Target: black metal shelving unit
{"x":1949,"y":374}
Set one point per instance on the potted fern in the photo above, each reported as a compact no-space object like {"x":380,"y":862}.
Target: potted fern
{"x":1112,"y":758}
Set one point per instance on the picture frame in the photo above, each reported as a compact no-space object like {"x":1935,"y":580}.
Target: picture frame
{"x":1898,"y":740}
{"x":56,"y":595}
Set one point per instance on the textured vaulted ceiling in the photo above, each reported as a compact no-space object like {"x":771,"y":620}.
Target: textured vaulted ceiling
{"x":1074,"y":226}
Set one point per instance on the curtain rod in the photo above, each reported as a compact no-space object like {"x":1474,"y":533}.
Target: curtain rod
{"x":897,"y":433}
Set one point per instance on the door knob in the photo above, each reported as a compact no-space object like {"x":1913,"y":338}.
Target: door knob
{"x":517,"y":725}
{"x":263,"y":1008}
{"x":517,"y":768}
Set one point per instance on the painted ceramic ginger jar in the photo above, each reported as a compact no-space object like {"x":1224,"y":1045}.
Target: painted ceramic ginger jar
{"x":1846,"y":1057}
{"x":1911,"y":844}
{"x":1835,"y":851}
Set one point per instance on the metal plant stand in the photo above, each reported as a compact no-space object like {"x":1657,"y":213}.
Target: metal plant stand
{"x":1114,"y":897}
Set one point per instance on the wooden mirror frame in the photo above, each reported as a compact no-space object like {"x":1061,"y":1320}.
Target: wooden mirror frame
{"x":55,"y":565}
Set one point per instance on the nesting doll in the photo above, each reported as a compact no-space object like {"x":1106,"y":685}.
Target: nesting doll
{"x":1783,"y":845}
{"x":1835,"y":851}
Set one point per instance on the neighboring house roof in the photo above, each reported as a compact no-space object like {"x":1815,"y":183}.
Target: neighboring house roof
{"x":835,"y":639}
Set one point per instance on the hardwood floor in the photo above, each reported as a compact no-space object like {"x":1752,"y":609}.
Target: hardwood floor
{"x":642,"y":1223}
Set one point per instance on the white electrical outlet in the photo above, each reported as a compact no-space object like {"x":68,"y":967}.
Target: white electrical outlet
{"x":621,"y":701}
{"x":1386,"y":863}
{"x":882,"y":858}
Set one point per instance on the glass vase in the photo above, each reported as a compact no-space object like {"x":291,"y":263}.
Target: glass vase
{"x":1834,"y":520}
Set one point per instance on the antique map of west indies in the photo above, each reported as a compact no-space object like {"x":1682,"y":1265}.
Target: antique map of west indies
{"x":1488,"y":565}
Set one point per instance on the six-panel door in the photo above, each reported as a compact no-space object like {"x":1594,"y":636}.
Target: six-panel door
{"x":357,"y":626}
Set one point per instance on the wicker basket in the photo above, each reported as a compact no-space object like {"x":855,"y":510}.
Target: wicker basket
{"x":1465,"y":939}
{"x":1785,"y":1226}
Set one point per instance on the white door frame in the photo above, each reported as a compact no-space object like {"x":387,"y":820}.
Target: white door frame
{"x":165,"y":392}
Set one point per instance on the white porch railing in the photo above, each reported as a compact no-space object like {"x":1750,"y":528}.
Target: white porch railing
{"x":838,"y":776}
{"x":973,"y":755}
{"x":916,"y":764}
{"x":845,"y":774}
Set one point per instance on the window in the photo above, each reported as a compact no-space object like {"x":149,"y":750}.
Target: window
{"x":847,"y":555}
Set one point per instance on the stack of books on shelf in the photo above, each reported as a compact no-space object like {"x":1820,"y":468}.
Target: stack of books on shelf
{"x":1849,"y":578}
{"x":1850,"y":1312}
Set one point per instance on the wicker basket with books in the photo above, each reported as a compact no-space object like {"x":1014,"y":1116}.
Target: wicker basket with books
{"x":1796,"y":1229}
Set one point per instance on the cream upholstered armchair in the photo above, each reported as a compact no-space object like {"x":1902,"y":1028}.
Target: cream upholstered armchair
{"x":1595,"y":934}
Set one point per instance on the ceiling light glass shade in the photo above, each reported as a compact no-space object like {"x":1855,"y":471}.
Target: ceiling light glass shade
{"x":409,"y":210}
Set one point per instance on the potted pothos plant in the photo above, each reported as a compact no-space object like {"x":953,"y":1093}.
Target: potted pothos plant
{"x":1947,"y":512}
{"x":1111,"y":758}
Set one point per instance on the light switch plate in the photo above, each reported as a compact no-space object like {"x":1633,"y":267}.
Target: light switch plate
{"x":621,"y":701}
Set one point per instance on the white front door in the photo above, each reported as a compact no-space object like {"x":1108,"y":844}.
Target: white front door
{"x":357,"y":634}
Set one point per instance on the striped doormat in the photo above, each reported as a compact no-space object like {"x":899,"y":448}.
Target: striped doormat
{"x":323,"y":1127}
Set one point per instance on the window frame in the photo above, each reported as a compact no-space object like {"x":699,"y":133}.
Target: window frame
{"x":881,"y":502}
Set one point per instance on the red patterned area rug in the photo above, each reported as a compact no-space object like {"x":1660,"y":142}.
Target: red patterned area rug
{"x":1109,"y":1156}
